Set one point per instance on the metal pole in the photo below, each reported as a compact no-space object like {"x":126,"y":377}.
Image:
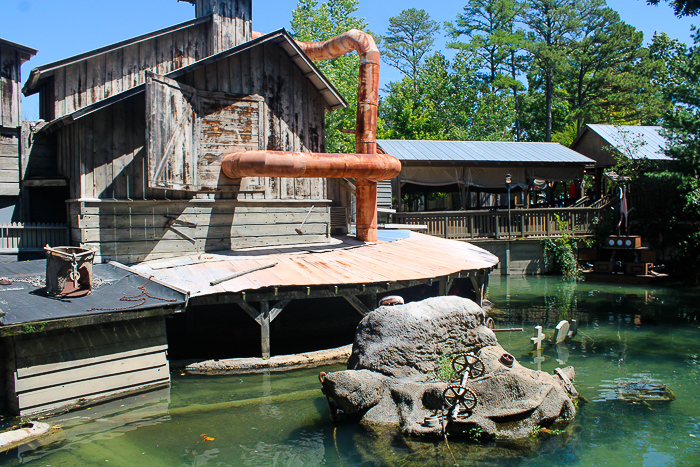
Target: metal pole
{"x":508,"y":211}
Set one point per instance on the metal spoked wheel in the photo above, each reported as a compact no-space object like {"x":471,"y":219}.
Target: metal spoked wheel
{"x":459,"y":395}
{"x":470,"y":363}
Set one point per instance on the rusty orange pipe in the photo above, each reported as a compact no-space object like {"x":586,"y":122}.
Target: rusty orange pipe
{"x":366,"y":126}
{"x":372,"y":167}
{"x":368,"y":86}
{"x":366,"y":166}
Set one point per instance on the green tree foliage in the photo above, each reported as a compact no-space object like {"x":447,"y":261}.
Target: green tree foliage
{"x":611,"y":77}
{"x":552,"y":25}
{"x":410,"y":37}
{"x":315,"y":21}
{"x":682,"y":128}
{"x":681,"y":7}
{"x":497,"y":41}
{"x":444,"y":103}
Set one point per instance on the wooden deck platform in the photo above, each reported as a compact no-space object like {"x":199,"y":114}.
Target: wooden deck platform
{"x":268,"y":279}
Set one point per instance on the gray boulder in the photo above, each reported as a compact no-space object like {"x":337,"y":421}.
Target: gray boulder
{"x":407,"y":340}
{"x":396,"y":350}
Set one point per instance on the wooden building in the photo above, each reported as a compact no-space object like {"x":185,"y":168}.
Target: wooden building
{"x":137,"y":132}
{"x":605,"y":144}
{"x":56,"y":353}
{"x":139,"y":128}
{"x":12,"y":56}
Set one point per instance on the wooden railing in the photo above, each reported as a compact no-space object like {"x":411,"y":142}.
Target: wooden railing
{"x":16,"y":237}
{"x":525,"y":223}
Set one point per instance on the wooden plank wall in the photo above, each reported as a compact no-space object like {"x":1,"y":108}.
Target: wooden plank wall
{"x":293,"y":111}
{"x":53,"y":370}
{"x":10,"y":88}
{"x":103,"y":153}
{"x":231,"y":22}
{"x":9,"y":162}
{"x":133,"y":231}
{"x":88,"y":81}
{"x":38,"y":154}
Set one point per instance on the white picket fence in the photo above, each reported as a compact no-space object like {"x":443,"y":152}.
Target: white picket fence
{"x":16,"y":237}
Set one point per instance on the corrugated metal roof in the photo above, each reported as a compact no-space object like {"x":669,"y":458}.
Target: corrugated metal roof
{"x":482,"y":151}
{"x":414,"y":257}
{"x":633,"y":140}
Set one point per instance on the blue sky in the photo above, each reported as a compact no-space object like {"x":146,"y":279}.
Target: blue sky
{"x":63,"y":28}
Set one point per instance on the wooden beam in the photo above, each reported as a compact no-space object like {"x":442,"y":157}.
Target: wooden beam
{"x":357,"y":304}
{"x":448,"y":284}
{"x":252,"y":312}
{"x":85,"y":320}
{"x":265,"y":329}
{"x":320,"y":292}
{"x":478,"y":289}
{"x":277,"y":309}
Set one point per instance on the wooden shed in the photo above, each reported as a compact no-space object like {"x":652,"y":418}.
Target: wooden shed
{"x":140,"y":127}
{"x":12,"y":56}
{"x":605,"y":144}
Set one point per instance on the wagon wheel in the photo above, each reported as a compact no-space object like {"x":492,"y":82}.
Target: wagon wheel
{"x":453,"y":395}
{"x":468,"y":362}
{"x":459,"y":395}
{"x":469,"y":400}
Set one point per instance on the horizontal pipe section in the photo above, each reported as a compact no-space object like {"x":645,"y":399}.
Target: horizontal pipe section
{"x":373,"y":167}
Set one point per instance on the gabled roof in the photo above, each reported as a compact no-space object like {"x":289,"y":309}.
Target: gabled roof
{"x":44,"y":71}
{"x":482,"y":152}
{"x":27,"y":52}
{"x":280,"y":38}
{"x":631,"y":140}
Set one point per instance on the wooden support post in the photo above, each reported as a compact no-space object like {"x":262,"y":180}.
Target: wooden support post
{"x":442,"y":287}
{"x":263,"y":317}
{"x":265,"y":329}
{"x":277,"y":309}
{"x":478,"y":289}
{"x":448,"y":285}
{"x":399,"y":204}
{"x":357,"y":304}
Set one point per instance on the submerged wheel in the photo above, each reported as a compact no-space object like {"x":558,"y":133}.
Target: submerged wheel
{"x":467,"y":362}
{"x":458,"y":395}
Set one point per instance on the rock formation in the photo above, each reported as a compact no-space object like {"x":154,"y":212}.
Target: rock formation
{"x":397,"y":352}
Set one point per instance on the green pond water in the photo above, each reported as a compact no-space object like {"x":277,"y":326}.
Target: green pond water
{"x":281,"y":419}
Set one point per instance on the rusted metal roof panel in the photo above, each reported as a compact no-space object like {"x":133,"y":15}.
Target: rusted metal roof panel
{"x":482,"y":152}
{"x":634,"y":141}
{"x":415,"y":257}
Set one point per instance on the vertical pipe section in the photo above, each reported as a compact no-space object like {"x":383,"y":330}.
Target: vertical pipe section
{"x":367,"y":104}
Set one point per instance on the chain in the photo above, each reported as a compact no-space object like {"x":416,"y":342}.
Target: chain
{"x":140,"y":298}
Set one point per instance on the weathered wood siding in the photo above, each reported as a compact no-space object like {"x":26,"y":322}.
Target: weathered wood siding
{"x":10,"y":120}
{"x":132,"y":231}
{"x":9,"y":162}
{"x":104,"y":153}
{"x":189,"y":130}
{"x":594,"y":146}
{"x":384,"y":194}
{"x":231,"y":22}
{"x":48,"y":371}
{"x":10,"y":88}
{"x":87,"y":81}
{"x":292,"y":113}
{"x":38,"y":159}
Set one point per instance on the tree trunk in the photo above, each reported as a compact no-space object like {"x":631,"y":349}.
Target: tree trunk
{"x":548,"y":106}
